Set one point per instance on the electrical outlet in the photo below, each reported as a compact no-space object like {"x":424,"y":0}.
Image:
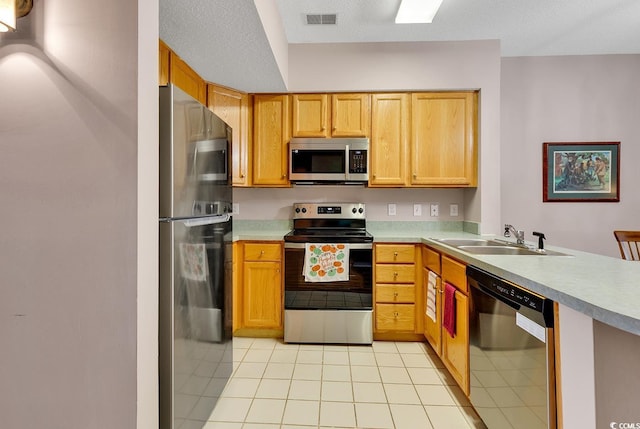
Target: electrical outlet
{"x":391,"y":209}
{"x":435,"y":210}
{"x":235,"y":208}
{"x":453,"y":210}
{"x":417,"y":209}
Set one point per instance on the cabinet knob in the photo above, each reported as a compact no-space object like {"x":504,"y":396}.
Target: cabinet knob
{"x":395,"y":294}
{"x":262,"y":252}
{"x":396,"y":314}
{"x":395,"y":274}
{"x":415,"y":175}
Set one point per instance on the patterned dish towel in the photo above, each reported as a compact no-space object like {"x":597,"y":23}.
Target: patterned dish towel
{"x":431,"y":295}
{"x":325,"y":262}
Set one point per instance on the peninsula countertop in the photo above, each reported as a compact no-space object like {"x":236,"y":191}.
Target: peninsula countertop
{"x":603,"y":288}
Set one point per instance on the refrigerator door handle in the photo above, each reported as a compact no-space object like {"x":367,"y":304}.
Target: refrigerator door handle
{"x":198,"y":221}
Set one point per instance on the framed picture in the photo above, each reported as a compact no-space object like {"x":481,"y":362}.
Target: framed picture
{"x":581,"y":172}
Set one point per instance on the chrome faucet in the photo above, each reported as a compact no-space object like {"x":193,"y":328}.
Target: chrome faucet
{"x":519,"y":234}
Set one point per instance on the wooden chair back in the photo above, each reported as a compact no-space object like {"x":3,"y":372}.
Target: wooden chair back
{"x":629,"y":244}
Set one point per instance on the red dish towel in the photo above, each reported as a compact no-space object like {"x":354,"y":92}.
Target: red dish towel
{"x":449,"y":313}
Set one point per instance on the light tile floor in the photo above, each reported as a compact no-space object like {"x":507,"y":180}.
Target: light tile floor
{"x":392,"y":385}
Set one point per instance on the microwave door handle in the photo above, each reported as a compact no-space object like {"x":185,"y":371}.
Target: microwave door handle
{"x":346,"y":162}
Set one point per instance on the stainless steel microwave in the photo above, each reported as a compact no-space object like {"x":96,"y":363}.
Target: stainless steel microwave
{"x":337,"y":160}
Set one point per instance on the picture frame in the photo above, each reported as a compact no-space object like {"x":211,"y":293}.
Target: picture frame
{"x":581,"y":172}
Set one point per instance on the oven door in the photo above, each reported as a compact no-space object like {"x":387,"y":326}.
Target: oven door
{"x":353,"y":294}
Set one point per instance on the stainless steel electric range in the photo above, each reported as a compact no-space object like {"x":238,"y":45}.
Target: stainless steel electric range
{"x":328,"y":275}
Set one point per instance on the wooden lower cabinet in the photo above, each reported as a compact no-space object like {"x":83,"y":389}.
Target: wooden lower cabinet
{"x":260,"y":290}
{"x":453,"y":351}
{"x":396,"y":292}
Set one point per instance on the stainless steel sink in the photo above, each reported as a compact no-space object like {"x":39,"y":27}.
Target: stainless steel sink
{"x":494,"y":247}
{"x":457,"y":242}
{"x":498,"y":250}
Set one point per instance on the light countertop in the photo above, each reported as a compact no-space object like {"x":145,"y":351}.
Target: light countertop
{"x":604,"y":288}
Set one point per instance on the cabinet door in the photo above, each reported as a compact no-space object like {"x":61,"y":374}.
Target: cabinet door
{"x":310,"y":115}
{"x":187,"y":79}
{"x":271,"y":136}
{"x":443,"y":139}
{"x":262,"y":295}
{"x":389,"y":139}
{"x":233,"y":107}
{"x":350,"y":115}
{"x":455,"y":351}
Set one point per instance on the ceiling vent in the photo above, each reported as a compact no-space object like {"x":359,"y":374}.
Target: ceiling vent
{"x":324,"y":19}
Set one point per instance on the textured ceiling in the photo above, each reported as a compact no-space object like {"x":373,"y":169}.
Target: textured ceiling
{"x":225,"y":42}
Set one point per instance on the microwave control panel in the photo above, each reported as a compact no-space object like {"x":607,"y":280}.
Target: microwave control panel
{"x":357,"y":161}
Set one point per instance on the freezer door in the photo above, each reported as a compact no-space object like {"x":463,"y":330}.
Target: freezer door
{"x":195,"y":345}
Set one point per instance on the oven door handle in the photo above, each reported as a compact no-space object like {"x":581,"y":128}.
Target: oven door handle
{"x":352,"y":246}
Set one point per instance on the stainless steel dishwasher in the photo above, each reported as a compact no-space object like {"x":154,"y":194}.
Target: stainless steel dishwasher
{"x":511,"y":356}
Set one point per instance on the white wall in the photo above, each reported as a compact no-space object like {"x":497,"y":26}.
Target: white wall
{"x":69,"y":272}
{"x":569,"y":99}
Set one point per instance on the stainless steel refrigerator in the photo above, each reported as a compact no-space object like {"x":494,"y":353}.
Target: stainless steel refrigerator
{"x":195,"y":321}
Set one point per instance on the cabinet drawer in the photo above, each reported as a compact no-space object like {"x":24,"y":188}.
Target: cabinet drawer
{"x":262,"y":252}
{"x":398,"y":254}
{"x":455,"y":273}
{"x":395,"y":273}
{"x":395,"y":293}
{"x":395,"y":317}
{"x":431,"y":259}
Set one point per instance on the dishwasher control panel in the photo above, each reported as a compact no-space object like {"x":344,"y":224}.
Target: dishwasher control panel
{"x":506,"y":289}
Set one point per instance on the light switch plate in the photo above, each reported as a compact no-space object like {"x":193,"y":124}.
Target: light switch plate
{"x":391,"y":209}
{"x":417,"y":209}
{"x":435,"y":210}
{"x":235,"y":208}
{"x":453,"y":210}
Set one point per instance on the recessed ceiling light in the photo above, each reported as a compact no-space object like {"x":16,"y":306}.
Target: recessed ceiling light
{"x":417,"y":11}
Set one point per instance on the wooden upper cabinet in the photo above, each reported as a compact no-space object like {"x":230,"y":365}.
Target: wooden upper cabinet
{"x":233,"y":108}
{"x":184,"y":77}
{"x":271,"y":136}
{"x":350,"y":115}
{"x":389,"y":139}
{"x":331,"y":115}
{"x":163,"y":63}
{"x":444,"y":139}
{"x":310,"y":115}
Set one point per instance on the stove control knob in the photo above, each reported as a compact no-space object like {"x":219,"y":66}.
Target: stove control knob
{"x":360,"y":210}
{"x":354,"y":210}
{"x":297,"y":209}
{"x":304,"y":210}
